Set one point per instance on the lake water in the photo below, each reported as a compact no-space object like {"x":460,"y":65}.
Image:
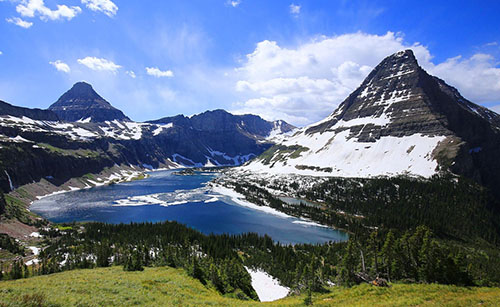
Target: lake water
{"x":185,"y":199}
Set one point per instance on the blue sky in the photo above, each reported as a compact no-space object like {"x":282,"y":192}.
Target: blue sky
{"x":292,"y":60}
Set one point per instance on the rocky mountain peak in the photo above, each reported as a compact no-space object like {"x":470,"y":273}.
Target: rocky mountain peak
{"x":392,"y":100}
{"x":83,"y":90}
{"x":399,"y":121}
{"x":83,"y":103}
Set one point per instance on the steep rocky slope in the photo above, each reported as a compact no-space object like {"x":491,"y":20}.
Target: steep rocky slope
{"x":401,"y":120}
{"x":82,"y":103}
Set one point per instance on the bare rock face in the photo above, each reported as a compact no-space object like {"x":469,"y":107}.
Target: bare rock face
{"x":82,"y":103}
{"x":219,"y":136}
{"x":398,"y":98}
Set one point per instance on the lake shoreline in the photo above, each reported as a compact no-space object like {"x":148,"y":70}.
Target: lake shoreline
{"x":191,"y":200}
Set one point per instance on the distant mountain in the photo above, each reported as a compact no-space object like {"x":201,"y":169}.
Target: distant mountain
{"x":219,"y":137}
{"x":82,"y":103}
{"x":38,"y":114}
{"x":221,"y":121}
{"x":34,"y":144}
{"x":399,"y":121}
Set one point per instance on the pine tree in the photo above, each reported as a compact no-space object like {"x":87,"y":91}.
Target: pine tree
{"x":348,"y":265}
{"x":195,"y":270}
{"x":388,"y":254}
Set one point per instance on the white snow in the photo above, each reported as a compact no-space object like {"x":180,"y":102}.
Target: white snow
{"x":85,"y":120}
{"x":267,"y":287}
{"x":349,"y":158}
{"x":240,"y":200}
{"x":32,"y":261}
{"x":20,"y":139}
{"x":35,"y":235}
{"x":135,"y":129}
{"x":35,"y":250}
{"x":161,"y":128}
{"x":212,"y":200}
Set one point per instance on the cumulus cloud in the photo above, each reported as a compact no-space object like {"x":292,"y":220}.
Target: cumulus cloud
{"x":99,"y":64}
{"x":477,"y":77}
{"x":60,"y":66}
{"x":19,"y":22}
{"x":131,"y":74}
{"x":156,"y":72}
{"x":30,"y":8}
{"x":233,"y":3}
{"x":294,"y":9}
{"x":305,"y":83}
{"x":105,"y":6}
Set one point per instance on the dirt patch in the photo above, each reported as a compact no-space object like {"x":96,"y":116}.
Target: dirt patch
{"x":17,"y":229}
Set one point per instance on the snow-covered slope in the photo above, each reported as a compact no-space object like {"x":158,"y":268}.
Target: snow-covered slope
{"x":400,"y":121}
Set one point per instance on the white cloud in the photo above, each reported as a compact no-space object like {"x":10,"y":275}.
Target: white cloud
{"x":477,"y":78}
{"x":156,"y":72}
{"x":105,"y":6}
{"x":131,"y":74}
{"x":305,"y":83}
{"x":19,"y":22}
{"x":234,"y":3}
{"x":30,"y":8}
{"x":294,"y":9}
{"x":1,"y":52}
{"x":60,"y":66}
{"x":99,"y":64}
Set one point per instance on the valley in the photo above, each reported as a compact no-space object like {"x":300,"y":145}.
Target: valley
{"x":390,"y":189}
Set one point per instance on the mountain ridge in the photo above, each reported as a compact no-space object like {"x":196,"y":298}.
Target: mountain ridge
{"x":46,"y":147}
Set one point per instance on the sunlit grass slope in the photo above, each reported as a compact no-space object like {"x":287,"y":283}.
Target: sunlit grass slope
{"x":167,"y":287}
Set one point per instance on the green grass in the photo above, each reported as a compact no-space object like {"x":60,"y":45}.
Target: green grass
{"x":62,"y":227}
{"x":280,"y":152}
{"x":404,"y":295}
{"x":173,"y":287}
{"x":16,"y":208}
{"x":112,"y":287}
{"x":70,"y":152}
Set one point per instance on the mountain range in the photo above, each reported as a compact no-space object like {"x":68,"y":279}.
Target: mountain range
{"x":83,"y":133}
{"x":399,"y":121}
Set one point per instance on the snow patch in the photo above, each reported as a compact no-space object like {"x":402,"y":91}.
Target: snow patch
{"x":267,"y":287}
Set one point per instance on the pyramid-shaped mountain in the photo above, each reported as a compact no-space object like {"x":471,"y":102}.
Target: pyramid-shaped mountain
{"x":401,"y":120}
{"x":82,"y":103}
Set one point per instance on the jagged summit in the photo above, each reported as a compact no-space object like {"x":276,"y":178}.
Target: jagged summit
{"x":400,"y":120}
{"x":82,"y":103}
{"x":221,"y":121}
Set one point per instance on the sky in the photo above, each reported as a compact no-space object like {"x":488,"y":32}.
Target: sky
{"x":281,"y":59}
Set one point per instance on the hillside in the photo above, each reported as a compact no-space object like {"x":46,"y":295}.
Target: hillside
{"x":168,"y":287}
